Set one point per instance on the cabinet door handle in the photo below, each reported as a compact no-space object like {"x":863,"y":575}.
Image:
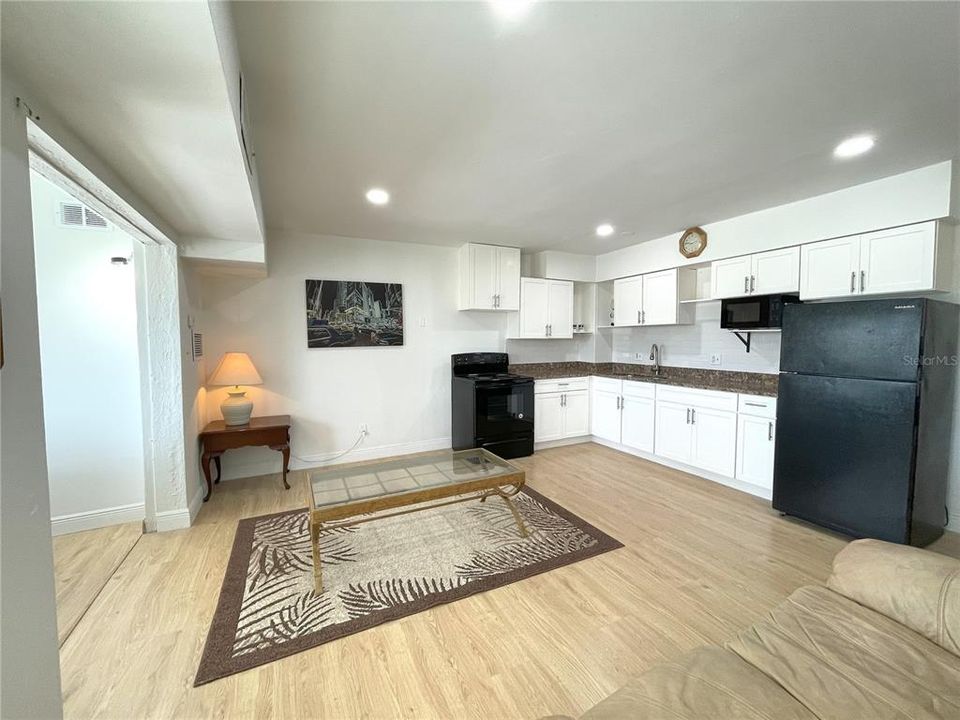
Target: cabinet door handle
{"x":619,"y":403}
{"x":753,"y":283}
{"x":853,"y":281}
{"x":693,"y":416}
{"x":863,"y":279}
{"x":563,"y":401}
{"x":770,"y":431}
{"x":753,"y":404}
{"x":639,"y":318}
{"x":643,"y":317}
{"x":688,"y":416}
{"x":746,"y":284}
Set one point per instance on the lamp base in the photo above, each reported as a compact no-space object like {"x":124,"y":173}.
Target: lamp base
{"x":237,"y":408}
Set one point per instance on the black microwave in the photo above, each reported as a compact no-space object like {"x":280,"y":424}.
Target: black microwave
{"x":762,"y":312}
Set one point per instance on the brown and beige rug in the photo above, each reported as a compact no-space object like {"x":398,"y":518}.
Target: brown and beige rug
{"x":376,"y":572}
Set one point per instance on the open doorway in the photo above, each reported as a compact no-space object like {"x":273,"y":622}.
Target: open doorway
{"x":90,"y":363}
{"x":92,"y":408}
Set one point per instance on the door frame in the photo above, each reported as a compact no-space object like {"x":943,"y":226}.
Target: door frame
{"x":158,"y":330}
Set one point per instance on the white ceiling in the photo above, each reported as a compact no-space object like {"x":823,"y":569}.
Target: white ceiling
{"x":651,"y":116}
{"x":142,"y":83}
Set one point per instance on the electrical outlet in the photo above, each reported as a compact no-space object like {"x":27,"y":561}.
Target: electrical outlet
{"x":363,"y":429}
{"x":640,"y":356}
{"x":716,"y":359}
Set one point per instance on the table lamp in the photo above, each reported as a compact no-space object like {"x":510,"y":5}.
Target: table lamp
{"x":236,"y":368}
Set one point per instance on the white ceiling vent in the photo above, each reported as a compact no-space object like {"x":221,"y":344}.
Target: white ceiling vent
{"x":79,"y":216}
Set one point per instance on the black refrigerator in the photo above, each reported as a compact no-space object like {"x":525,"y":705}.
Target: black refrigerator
{"x":864,"y":416}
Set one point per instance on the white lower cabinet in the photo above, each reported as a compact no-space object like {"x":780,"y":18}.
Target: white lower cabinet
{"x":714,"y":440}
{"x":561,"y":409}
{"x":623,"y":412}
{"x":698,"y":428}
{"x":605,"y":409}
{"x":637,"y":421}
{"x":756,"y":437}
{"x":673,"y":431}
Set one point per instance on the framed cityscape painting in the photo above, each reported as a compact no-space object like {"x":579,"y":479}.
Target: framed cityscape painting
{"x":343,"y":313}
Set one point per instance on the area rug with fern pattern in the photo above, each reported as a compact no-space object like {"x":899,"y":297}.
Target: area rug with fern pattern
{"x":376,"y":572}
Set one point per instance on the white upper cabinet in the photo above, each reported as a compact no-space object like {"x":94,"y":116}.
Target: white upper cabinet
{"x":627,"y":301}
{"x":898,"y":260}
{"x":767,"y":273}
{"x":774,"y":272}
{"x":731,"y":277}
{"x":651,"y":299}
{"x":546,"y":309}
{"x":560,"y":308}
{"x":489,"y":277}
{"x":829,"y":268}
{"x":659,"y":298}
{"x":534,"y":302}
{"x":915,"y":258}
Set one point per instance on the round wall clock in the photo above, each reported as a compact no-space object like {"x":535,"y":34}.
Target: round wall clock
{"x":693,"y":242}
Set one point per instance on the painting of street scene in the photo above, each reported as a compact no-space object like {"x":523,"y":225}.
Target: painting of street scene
{"x":342,"y":313}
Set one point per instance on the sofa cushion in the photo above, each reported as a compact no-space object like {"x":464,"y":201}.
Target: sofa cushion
{"x":917,"y":588}
{"x":843,"y":660}
{"x":706,"y":684}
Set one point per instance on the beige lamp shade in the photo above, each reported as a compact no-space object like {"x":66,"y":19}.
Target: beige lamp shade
{"x":235,"y":368}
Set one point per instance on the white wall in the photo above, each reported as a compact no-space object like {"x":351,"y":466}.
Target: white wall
{"x":29,"y":661}
{"x":90,"y":368}
{"x":401,"y":393}
{"x":910,"y":197}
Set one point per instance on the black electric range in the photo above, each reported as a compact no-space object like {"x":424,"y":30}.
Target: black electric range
{"x":492,"y":408}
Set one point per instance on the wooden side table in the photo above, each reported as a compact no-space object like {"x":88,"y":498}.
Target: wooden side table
{"x":272,"y":431}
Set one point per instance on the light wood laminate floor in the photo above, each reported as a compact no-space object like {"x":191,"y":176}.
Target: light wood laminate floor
{"x":85,"y":562}
{"x":701,"y":562}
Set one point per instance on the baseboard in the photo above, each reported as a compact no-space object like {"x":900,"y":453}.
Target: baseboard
{"x":300,"y":462}
{"x":78,"y":522}
{"x":561,"y":443}
{"x":749,"y":488}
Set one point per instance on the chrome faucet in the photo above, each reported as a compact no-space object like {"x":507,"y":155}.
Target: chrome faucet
{"x":655,"y":356}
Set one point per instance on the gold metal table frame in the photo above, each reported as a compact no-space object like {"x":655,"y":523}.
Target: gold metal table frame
{"x":505,"y":484}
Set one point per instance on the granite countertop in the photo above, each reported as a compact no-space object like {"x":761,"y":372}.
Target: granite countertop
{"x":703,"y":379}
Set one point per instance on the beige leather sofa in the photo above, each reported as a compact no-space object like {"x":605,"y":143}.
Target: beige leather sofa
{"x":882,"y":640}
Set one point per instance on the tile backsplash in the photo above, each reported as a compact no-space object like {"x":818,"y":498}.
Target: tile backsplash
{"x":693,"y":345}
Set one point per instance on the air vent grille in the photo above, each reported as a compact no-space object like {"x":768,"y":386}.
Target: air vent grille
{"x":197,"y":346}
{"x":79,"y":216}
{"x":92,"y":219}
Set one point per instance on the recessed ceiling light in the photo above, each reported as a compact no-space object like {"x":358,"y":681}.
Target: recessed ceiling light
{"x":511,"y":9}
{"x":853,"y":146}
{"x":605,"y":230}
{"x":378,"y":196}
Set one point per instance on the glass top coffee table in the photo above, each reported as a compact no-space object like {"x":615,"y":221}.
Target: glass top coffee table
{"x":350,"y":495}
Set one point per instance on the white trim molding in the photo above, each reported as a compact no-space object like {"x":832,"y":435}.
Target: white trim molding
{"x":301,"y":462}
{"x":183,"y":518}
{"x":93,"y":519}
{"x":750,"y":489}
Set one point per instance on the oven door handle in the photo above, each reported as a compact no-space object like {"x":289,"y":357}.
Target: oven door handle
{"x":501,"y":386}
